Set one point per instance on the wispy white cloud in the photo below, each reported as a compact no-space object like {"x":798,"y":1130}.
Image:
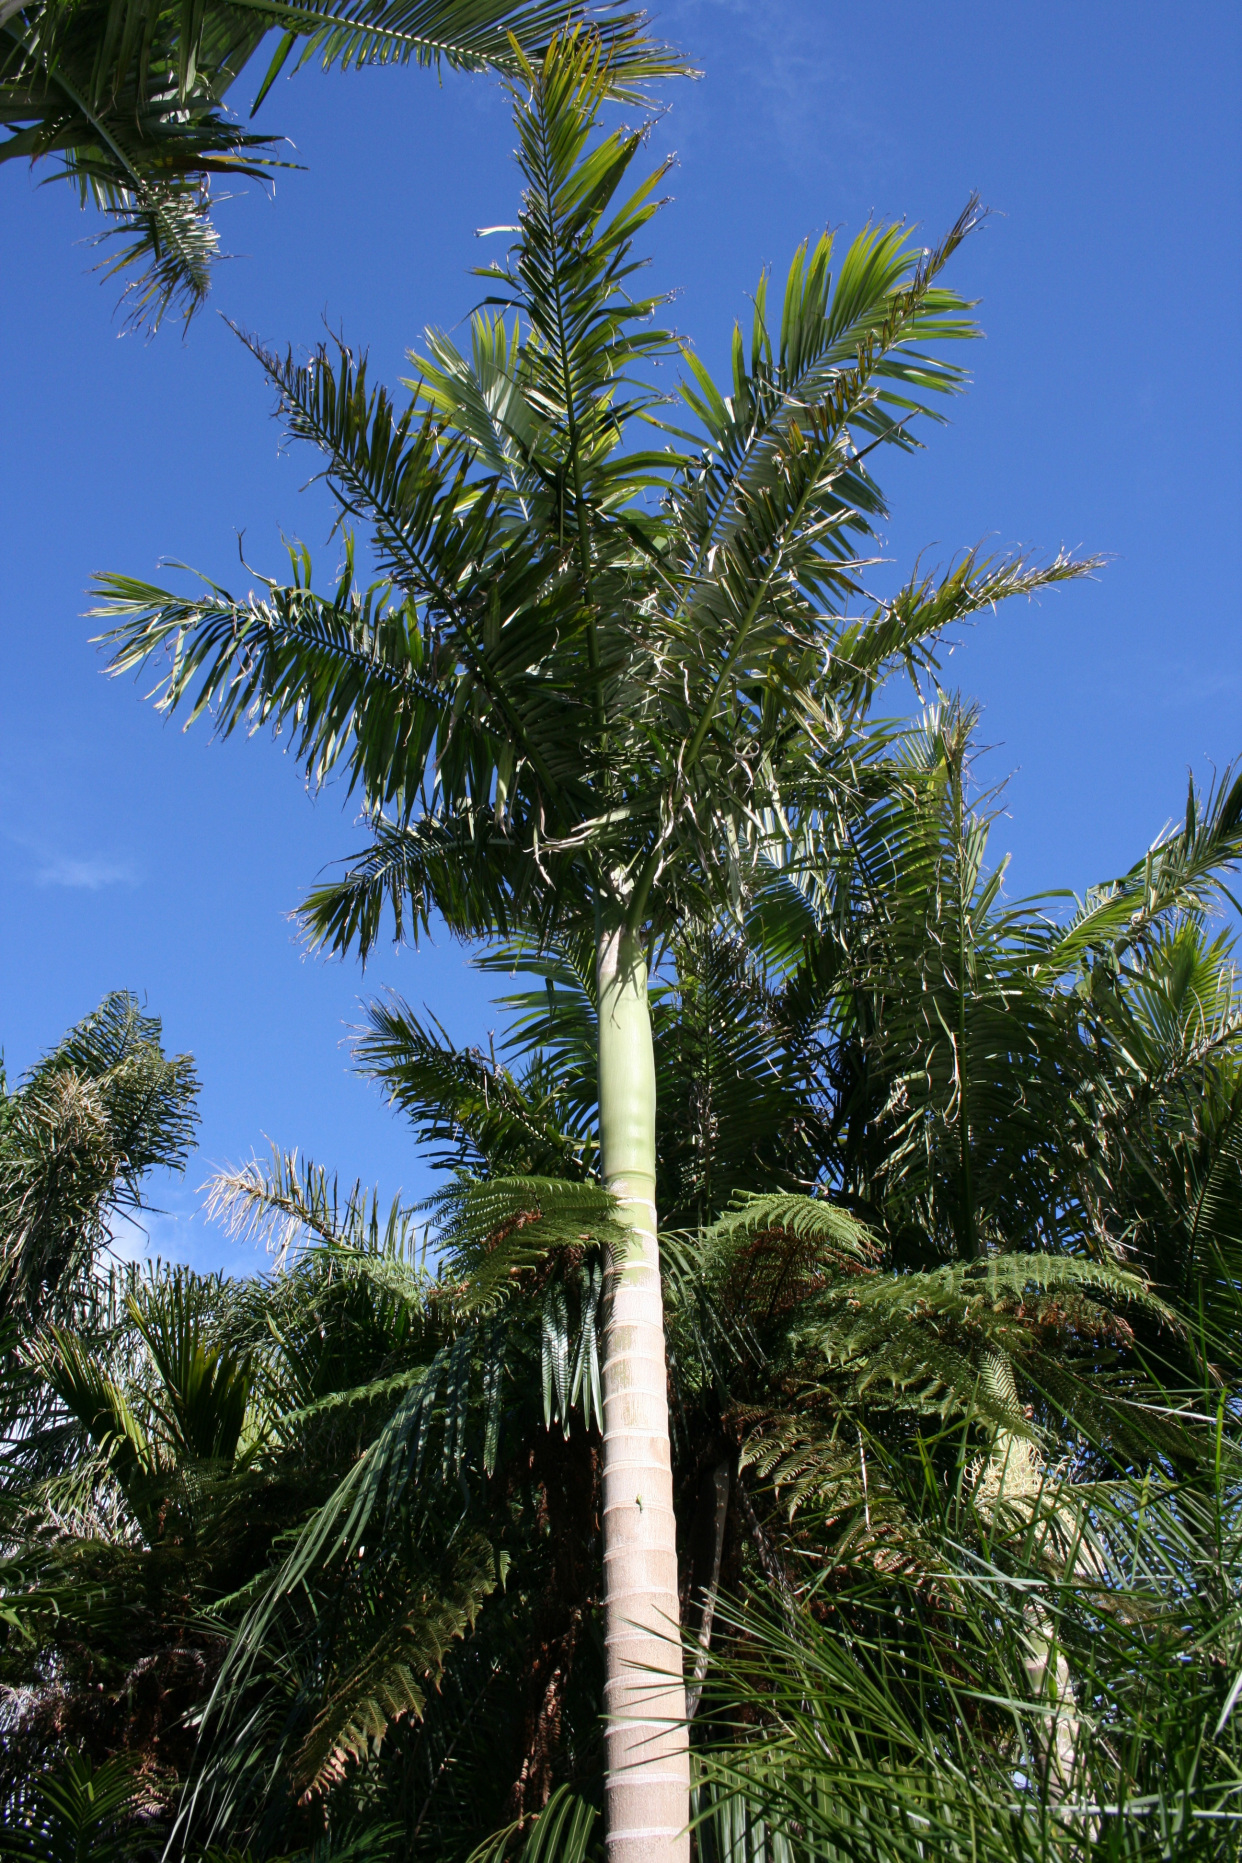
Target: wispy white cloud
{"x":89,"y":875}
{"x":53,"y":866}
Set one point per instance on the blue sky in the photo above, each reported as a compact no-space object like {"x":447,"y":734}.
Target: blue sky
{"x":1102,"y":416}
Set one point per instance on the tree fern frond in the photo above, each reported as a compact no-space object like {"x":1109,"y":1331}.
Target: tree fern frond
{"x":391,"y":1679}
{"x":808,"y":1218}
{"x":932,"y":1339}
{"x":495,"y":1230}
{"x":798,"y":1460}
{"x":998,"y":1280}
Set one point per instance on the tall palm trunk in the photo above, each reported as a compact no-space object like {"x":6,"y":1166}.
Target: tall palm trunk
{"x":648,"y":1778}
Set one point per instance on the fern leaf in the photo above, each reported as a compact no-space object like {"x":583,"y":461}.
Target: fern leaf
{"x":497,"y":1229}
{"x":391,"y":1679}
{"x":809,"y":1219}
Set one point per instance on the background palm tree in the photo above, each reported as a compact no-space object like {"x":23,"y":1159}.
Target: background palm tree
{"x":381,"y":1485}
{"x":128,"y":99}
{"x":77,"y":1137}
{"x":991,"y":1065}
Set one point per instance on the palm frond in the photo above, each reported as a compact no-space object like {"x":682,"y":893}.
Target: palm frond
{"x":1181,"y":871}
{"x":128,"y":98}
{"x":475,"y":1113}
{"x":289,"y":1203}
{"x":561,"y":1833}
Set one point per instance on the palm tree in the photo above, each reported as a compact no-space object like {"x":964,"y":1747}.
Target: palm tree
{"x":592,"y":680}
{"x":129,"y":98}
{"x":77,"y":1137}
{"x":1009,"y":1076}
{"x":184,"y":1423}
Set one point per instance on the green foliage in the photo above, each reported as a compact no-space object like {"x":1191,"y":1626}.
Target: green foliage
{"x":95,"y":1400}
{"x":1007,"y":1705}
{"x":984,"y":1058}
{"x":471,"y":1112}
{"x":77,"y":1136}
{"x":951,"y":1276}
{"x":560,"y":1834}
{"x":205,"y":1392}
{"x":128,"y":99}
{"x":951,"y":1491}
{"x":76,"y":1811}
{"x":389,"y":1679}
{"x":592,"y":672}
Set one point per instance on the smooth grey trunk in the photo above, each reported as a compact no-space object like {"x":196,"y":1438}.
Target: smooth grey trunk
{"x":722,"y":1482}
{"x":647,"y":1786}
{"x":1049,"y":1675}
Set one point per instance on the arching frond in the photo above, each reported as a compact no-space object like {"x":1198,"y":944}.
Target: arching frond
{"x":493,"y":1231}
{"x":473,"y":1113}
{"x":1181,"y":871}
{"x":561,"y":1833}
{"x":807,"y":1219}
{"x":128,"y":98}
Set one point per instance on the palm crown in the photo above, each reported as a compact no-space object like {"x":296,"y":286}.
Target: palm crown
{"x":585,"y":657}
